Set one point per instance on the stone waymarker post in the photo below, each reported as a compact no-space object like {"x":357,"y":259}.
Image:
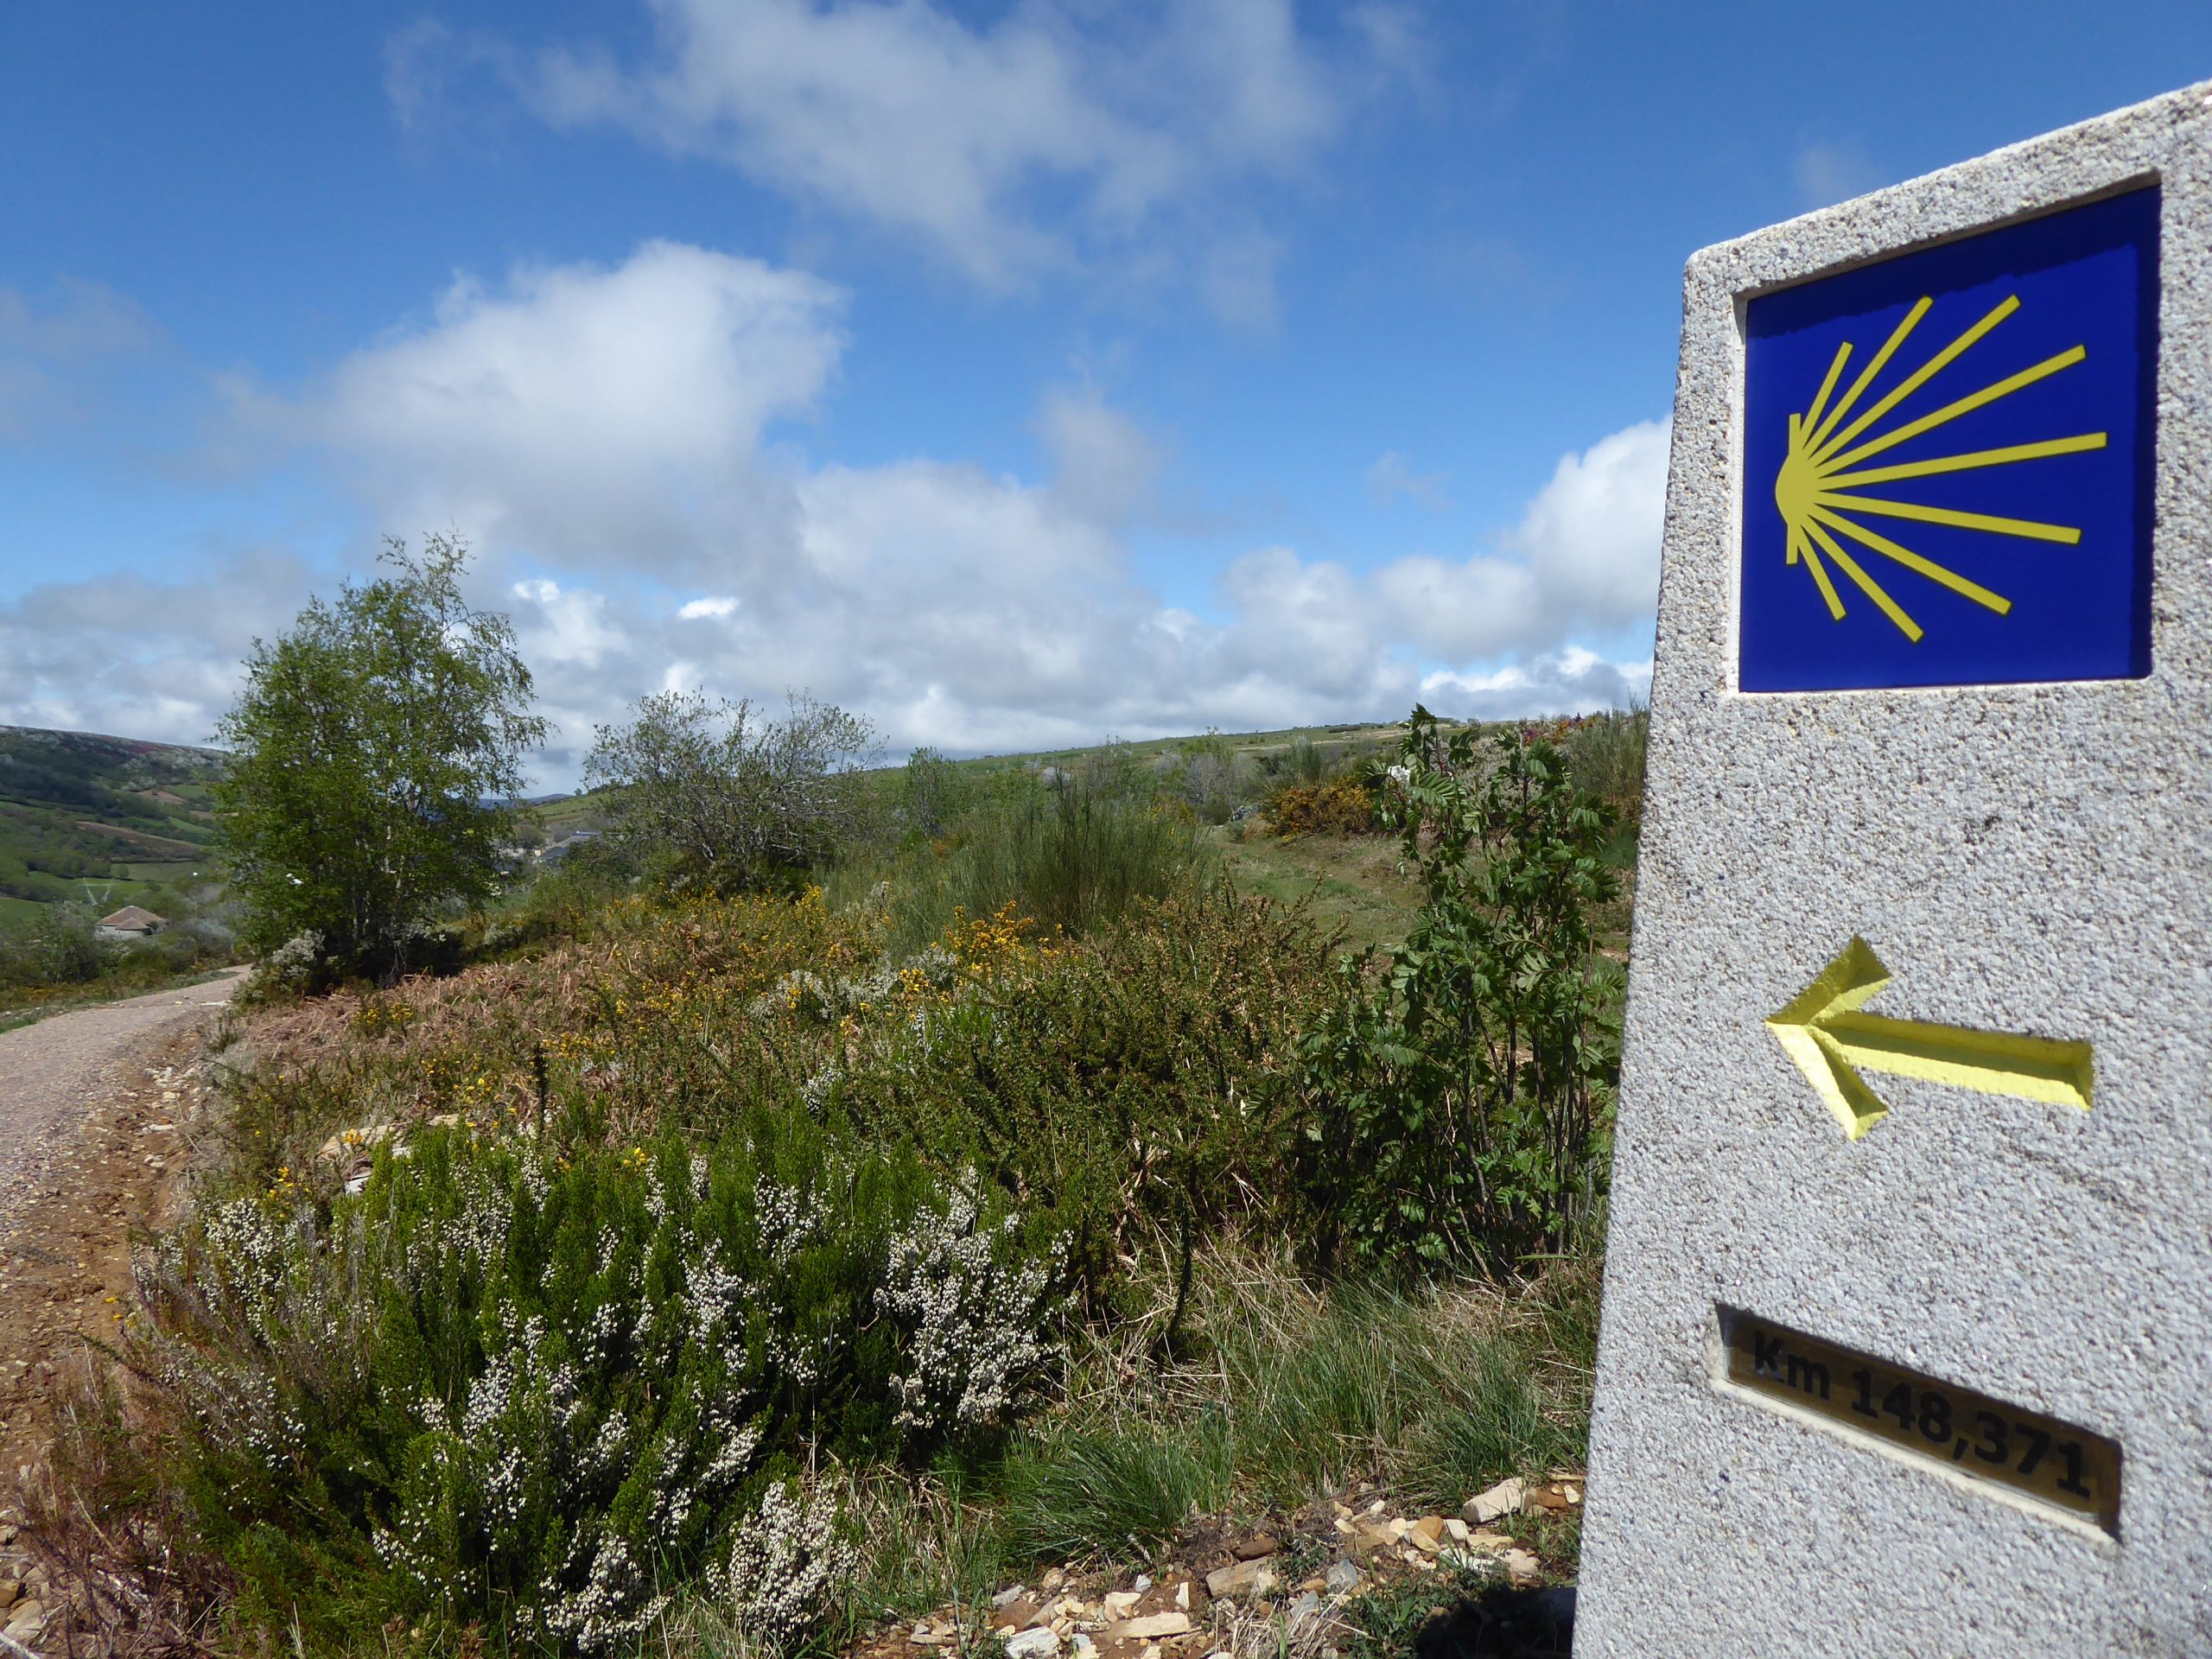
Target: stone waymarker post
{"x":1907,"y":1345}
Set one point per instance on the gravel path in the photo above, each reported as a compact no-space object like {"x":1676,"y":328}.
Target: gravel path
{"x":54,"y":1072}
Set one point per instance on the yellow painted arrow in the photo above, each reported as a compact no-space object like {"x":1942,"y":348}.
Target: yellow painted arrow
{"x":1832,"y":1042}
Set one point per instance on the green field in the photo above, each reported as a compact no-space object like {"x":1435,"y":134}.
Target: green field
{"x":78,"y":808}
{"x":1247,"y":754}
{"x":1347,"y":882}
{"x":166,"y":870}
{"x":1352,"y":742}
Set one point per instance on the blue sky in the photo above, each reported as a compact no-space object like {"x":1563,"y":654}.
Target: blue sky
{"x":1015,"y":374}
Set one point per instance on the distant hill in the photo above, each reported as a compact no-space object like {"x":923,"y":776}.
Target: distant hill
{"x":111,"y":819}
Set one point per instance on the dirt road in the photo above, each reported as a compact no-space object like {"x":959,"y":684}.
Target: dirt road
{"x":53,"y":1072}
{"x":92,"y":1105}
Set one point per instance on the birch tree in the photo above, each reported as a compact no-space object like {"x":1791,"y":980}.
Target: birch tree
{"x":374,"y":749}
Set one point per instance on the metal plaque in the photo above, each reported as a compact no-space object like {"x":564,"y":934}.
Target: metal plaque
{"x":2070,"y":1469}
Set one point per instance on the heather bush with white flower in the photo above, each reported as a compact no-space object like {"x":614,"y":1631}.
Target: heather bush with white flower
{"x":288,"y":969}
{"x":786,"y":1566}
{"x":968,"y":1302}
{"x":547,"y":1388}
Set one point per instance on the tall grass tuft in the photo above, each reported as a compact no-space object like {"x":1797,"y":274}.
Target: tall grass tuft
{"x":1124,"y":1489}
{"x":1322,"y":1388}
{"x":926,"y":1540}
{"x":1605,"y":755}
{"x":1499,"y":1422}
{"x":1073,"y":855}
{"x":1306,"y":763}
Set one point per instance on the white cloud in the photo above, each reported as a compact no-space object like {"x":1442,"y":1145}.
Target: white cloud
{"x":606,"y":437}
{"x":1391,"y":476}
{"x":566,"y":627}
{"x":437,"y":78}
{"x":1825,"y":173}
{"x":77,"y":320}
{"x":584,"y":412}
{"x":1591,"y":537}
{"x":1060,"y":132}
{"x":1584,"y":559}
{"x":1573,"y":681}
{"x":137,"y":657}
{"x":1105,"y":465}
{"x":713,"y":605}
{"x":54,"y":348}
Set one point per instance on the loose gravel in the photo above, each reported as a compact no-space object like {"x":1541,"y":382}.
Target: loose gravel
{"x":53,"y":1073}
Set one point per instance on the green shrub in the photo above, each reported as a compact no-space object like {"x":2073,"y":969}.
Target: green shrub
{"x":1306,"y":763}
{"x":713,"y":796}
{"x":1460,"y":1103}
{"x":1605,"y":754}
{"x":56,"y":946}
{"x":1136,"y":1082}
{"x":934,"y":793}
{"x":540,"y":1391}
{"x":1074,"y":855}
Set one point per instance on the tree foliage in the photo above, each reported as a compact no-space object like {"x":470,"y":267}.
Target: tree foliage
{"x":933,"y":792}
{"x":1459,"y":1097}
{"x":706,"y":795}
{"x":374,"y":746}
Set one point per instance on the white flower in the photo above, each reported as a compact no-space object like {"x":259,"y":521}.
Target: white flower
{"x":784,"y":1566}
{"x":976,"y":1322}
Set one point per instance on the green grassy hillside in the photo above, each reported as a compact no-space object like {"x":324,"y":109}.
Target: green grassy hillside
{"x":1337,"y":744}
{"x":107,"y":820}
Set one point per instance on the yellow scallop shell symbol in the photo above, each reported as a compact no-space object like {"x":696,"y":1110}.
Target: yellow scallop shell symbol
{"x":1821,"y":489}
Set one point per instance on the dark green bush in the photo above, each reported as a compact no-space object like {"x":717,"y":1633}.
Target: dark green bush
{"x":1306,"y":763}
{"x":1605,"y":754}
{"x":1073,"y":855}
{"x":55,"y":946}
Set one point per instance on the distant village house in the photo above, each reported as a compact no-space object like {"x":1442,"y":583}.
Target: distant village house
{"x":561,"y":849}
{"x":129,"y":923}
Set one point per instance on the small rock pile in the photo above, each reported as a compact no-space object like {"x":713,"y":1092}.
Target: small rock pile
{"x":1253,"y":1594}
{"x":24,"y":1596}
